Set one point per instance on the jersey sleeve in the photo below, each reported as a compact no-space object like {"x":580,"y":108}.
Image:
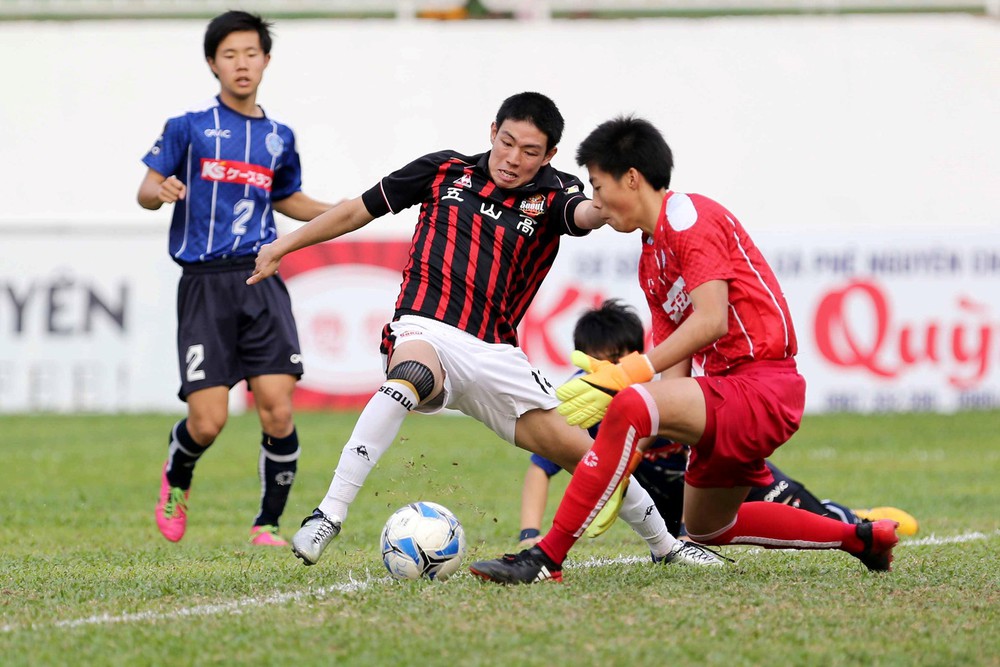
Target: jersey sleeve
{"x":703,"y":250}
{"x":548,"y":467}
{"x":166,"y":157}
{"x":404,"y":187}
{"x":288,"y":176}
{"x":564,"y":205}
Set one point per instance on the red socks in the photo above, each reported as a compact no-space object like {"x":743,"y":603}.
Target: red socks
{"x":777,"y":526}
{"x":599,"y":472}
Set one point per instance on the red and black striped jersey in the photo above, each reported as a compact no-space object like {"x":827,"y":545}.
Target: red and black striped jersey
{"x":479,"y":253}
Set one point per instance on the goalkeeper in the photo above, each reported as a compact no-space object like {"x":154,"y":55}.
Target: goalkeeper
{"x":717,"y":308}
{"x":610,"y":332}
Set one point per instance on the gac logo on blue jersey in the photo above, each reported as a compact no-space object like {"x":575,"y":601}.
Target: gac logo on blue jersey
{"x":212,"y":133}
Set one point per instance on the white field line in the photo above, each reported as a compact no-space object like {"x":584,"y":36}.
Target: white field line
{"x":237,"y":606}
{"x":233,"y":607}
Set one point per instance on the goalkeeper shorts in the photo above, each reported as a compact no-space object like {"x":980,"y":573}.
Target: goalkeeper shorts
{"x":750,"y":412}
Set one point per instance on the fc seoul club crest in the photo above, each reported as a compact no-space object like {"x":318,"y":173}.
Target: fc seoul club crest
{"x":533,"y":206}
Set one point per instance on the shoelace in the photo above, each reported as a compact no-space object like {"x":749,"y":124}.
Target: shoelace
{"x":325,"y":530}
{"x":706,"y":553}
{"x":175,"y":505}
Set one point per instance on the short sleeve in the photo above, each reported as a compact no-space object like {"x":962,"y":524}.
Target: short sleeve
{"x":547,"y":466}
{"x":564,"y":203}
{"x":288,"y":176}
{"x":702,"y":248}
{"x":166,"y":157}
{"x":406,"y":186}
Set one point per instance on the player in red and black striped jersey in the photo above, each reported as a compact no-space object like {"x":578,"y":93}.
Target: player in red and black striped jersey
{"x":487,"y":233}
{"x":717,"y":309}
{"x":480,"y":251}
{"x":226,"y":168}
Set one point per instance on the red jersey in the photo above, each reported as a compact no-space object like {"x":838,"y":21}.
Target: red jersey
{"x":697,"y":240}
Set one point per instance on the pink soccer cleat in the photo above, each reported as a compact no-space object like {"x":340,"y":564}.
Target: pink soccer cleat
{"x":171,"y":511}
{"x":266,"y":536}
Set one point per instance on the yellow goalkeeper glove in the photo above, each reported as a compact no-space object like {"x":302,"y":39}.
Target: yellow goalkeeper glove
{"x":585,"y":399}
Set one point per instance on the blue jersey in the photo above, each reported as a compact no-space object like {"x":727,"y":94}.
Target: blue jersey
{"x":233,"y":166}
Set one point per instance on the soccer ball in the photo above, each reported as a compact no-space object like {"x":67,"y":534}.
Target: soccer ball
{"x":423,"y":539}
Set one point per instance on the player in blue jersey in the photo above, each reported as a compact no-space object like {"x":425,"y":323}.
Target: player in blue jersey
{"x":610,"y":332}
{"x":487,"y":232}
{"x":226,"y":167}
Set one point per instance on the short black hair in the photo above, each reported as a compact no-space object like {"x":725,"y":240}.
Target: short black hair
{"x":617,"y":145}
{"x":537,"y":109}
{"x":610,"y":331}
{"x":236,"y":21}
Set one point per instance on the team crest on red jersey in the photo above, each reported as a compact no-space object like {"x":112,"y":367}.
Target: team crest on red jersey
{"x":464,"y":182}
{"x":533,"y":206}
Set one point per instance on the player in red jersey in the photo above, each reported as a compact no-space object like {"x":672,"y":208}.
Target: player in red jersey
{"x":488,"y":230}
{"x":717,"y":309}
{"x":611,"y":331}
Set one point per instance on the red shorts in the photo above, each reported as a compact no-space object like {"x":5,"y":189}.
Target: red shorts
{"x":749,"y":412}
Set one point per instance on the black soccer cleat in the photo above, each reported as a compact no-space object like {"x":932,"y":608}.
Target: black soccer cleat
{"x":528,"y":567}
{"x":879,"y":538}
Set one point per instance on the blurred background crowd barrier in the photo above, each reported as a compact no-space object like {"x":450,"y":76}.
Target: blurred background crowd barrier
{"x":456,"y":9}
{"x":860,"y":150}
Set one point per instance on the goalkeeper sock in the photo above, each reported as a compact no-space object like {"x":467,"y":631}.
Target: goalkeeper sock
{"x":776,"y":526}
{"x":373,"y":434}
{"x":182,"y":455}
{"x":278,"y":462}
{"x":629,"y":418}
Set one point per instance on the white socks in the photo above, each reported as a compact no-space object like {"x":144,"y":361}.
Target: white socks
{"x":373,"y":434}
{"x":639,"y":511}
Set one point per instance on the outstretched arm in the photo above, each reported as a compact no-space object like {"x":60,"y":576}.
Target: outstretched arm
{"x":300,"y":206}
{"x":586,"y":216}
{"x":708,"y":322}
{"x":585,"y":399}
{"x":337,"y":221}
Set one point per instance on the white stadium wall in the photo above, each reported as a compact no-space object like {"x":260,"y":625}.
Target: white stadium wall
{"x":862,"y":153}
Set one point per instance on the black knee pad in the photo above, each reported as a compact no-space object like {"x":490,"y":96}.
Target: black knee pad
{"x":416,"y":375}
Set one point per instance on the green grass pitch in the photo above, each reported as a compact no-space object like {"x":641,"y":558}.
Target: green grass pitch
{"x":86,"y":579}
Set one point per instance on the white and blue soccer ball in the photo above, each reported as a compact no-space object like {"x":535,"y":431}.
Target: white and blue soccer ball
{"x":423,"y":540}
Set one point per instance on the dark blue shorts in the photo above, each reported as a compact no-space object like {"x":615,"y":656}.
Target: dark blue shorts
{"x":228,"y":331}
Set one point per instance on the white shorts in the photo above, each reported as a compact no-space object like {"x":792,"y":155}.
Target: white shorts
{"x":491,"y":382}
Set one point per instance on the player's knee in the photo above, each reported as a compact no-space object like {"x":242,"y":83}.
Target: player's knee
{"x":627,"y":401}
{"x":277,"y":419}
{"x":630,"y":406}
{"x":416,"y":375}
{"x":204,"y":429}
